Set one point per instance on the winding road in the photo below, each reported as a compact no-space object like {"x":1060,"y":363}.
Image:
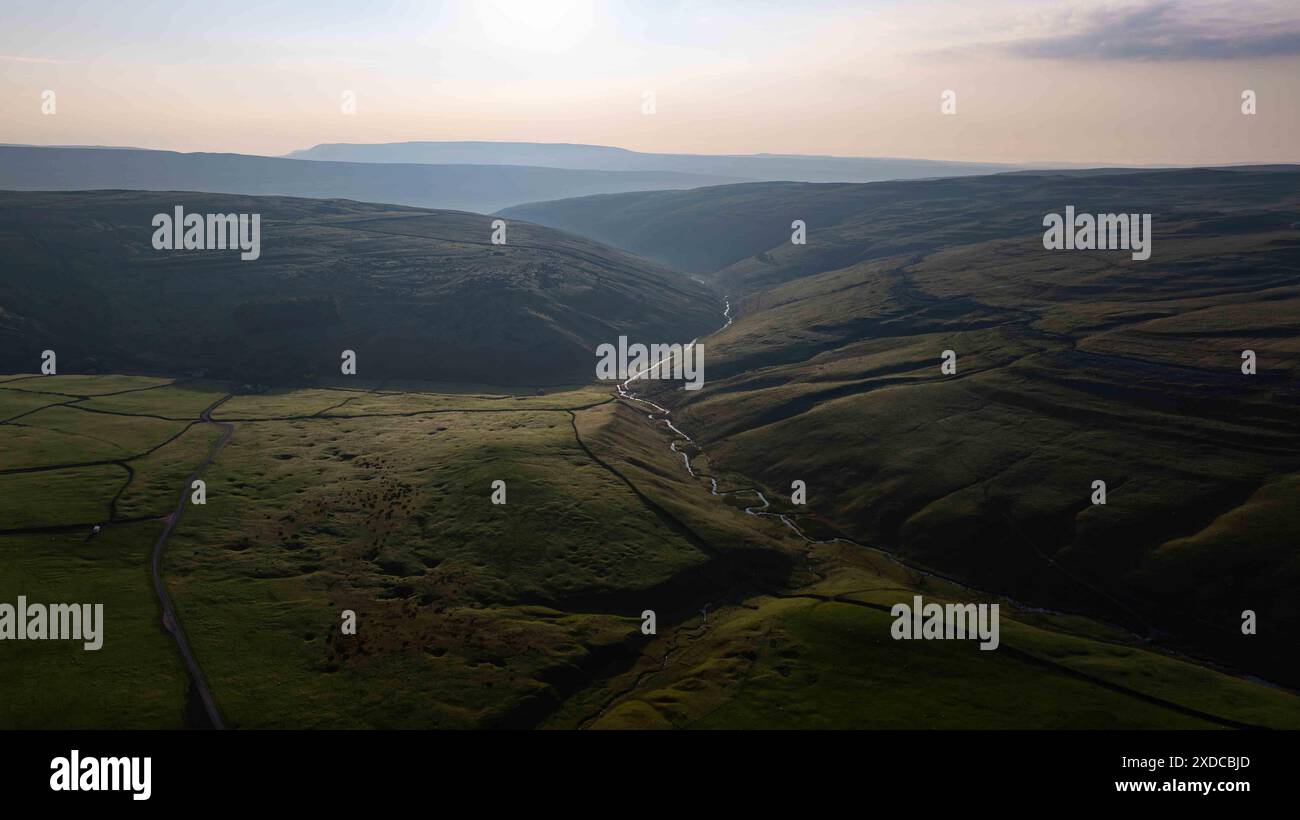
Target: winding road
{"x":170,"y":621}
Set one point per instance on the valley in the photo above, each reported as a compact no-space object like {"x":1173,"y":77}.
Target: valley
{"x":1071,"y":368}
{"x":373,"y":494}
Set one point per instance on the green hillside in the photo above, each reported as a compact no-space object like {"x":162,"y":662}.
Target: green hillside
{"x":1073,"y":367}
{"x":741,"y":233}
{"x":471,"y":614}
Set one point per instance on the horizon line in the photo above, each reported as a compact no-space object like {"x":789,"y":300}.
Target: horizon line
{"x":1009,"y":165}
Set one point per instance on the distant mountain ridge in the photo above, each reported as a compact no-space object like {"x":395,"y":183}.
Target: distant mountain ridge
{"x":750,"y":167}
{"x":477,"y":188}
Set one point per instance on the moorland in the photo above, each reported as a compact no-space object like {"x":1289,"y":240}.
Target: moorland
{"x":372,"y":493}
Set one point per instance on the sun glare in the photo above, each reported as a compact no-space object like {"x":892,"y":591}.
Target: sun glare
{"x":528,"y":25}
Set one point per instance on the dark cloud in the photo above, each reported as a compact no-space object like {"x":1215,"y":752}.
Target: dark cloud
{"x":1168,"y":31}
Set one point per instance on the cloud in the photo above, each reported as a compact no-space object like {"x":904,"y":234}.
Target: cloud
{"x":1168,"y":31}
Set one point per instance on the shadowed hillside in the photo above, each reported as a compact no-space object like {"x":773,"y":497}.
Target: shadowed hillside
{"x":417,"y":294}
{"x":742,"y":232}
{"x":1072,"y":367}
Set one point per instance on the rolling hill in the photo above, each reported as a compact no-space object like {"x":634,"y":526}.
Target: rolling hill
{"x":742,"y":232}
{"x":415,"y":293}
{"x":1073,"y":367}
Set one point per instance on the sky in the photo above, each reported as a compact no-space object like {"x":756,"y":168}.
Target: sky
{"x":1124,"y":82}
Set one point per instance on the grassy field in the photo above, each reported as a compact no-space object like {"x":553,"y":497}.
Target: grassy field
{"x":136,"y":680}
{"x":470,"y":614}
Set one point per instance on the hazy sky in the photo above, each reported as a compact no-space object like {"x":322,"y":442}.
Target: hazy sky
{"x":1122,"y":82}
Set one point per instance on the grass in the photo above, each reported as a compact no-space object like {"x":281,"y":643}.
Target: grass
{"x":14,"y":403}
{"x":182,"y":400}
{"x":135,"y":681}
{"x":79,"y":494}
{"x":803,"y":661}
{"x":476,"y":615}
{"x":157,"y":478}
{"x":832,"y":665}
{"x":282,"y":402}
{"x":61,"y":435}
{"x":390,"y":517}
{"x":82,"y":385}
{"x":1071,"y":369}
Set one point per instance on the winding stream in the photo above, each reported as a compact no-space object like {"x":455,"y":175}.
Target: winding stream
{"x":663,"y":414}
